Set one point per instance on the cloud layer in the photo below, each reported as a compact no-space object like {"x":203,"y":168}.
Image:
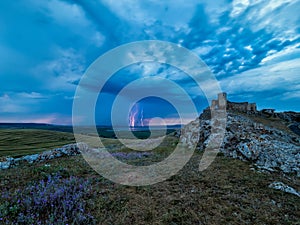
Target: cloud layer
{"x":252,"y":47}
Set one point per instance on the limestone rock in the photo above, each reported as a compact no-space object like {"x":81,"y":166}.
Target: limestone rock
{"x":283,"y":187}
{"x":268,"y":148}
{"x":30,"y":158}
{"x":5,"y":165}
{"x":66,"y":150}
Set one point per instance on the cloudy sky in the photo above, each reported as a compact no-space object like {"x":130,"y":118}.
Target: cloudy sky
{"x":251,"y":46}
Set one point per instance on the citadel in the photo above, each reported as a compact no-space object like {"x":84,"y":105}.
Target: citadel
{"x":223,"y":103}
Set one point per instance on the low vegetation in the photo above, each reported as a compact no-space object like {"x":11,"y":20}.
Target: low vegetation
{"x":53,"y":200}
{"x":68,"y":191}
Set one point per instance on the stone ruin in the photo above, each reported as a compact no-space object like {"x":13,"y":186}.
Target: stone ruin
{"x":223,"y":103}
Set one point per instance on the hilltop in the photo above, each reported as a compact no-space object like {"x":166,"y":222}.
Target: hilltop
{"x":268,"y":139}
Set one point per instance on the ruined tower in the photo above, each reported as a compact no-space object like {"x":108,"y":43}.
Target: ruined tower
{"x":223,"y":103}
{"x":222,"y":100}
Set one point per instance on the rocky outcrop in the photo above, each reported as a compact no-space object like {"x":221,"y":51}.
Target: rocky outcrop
{"x":268,"y":148}
{"x":291,"y":117}
{"x":67,"y":150}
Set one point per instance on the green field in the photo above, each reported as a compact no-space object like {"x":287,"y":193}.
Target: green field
{"x":18,"y":142}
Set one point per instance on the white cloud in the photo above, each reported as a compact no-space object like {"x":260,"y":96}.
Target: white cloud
{"x":239,"y":6}
{"x":20,"y":102}
{"x":72,"y":17}
{"x":9,"y":105}
{"x":249,"y":47}
{"x":47,"y":119}
{"x":61,"y":72}
{"x":273,"y":56}
{"x":215,"y":9}
{"x":275,"y":16}
{"x":291,"y":95}
{"x":98,"y":39}
{"x":33,"y":95}
{"x":148,"y":12}
{"x":202,"y":50}
{"x":283,"y":76}
{"x":63,"y":12}
{"x":270,"y":6}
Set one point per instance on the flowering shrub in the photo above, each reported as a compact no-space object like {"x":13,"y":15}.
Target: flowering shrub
{"x":131,"y":155}
{"x":55,"y":200}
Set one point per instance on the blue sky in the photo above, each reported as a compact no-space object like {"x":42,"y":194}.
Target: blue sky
{"x":252,"y":47}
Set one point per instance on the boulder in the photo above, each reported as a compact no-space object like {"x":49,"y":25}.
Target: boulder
{"x":283,"y":187}
{"x":5,"y":165}
{"x":30,"y":158}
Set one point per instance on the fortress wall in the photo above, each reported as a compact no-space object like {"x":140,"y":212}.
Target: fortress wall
{"x":238,"y":106}
{"x":223,"y":103}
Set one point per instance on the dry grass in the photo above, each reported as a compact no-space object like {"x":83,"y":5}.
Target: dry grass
{"x":228,"y":192}
{"x":276,"y":123}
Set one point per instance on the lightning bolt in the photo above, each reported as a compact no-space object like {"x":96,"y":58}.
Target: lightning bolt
{"x":132,"y":116}
{"x":136,"y":116}
{"x":142,"y":118}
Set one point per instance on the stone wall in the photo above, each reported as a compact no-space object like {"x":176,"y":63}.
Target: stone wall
{"x":242,"y":107}
{"x":223,"y":103}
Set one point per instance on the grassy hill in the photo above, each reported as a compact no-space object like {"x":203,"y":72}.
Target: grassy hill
{"x":18,"y":142}
{"x":23,"y":139}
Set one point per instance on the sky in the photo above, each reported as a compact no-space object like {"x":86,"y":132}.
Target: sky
{"x":251,"y":46}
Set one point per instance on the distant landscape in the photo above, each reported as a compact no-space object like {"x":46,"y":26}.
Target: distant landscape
{"x":229,"y":191}
{"x":18,"y":139}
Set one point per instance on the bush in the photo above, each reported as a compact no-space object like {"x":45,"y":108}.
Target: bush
{"x":55,"y":200}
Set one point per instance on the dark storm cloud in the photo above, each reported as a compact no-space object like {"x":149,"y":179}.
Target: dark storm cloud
{"x":45,"y":47}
